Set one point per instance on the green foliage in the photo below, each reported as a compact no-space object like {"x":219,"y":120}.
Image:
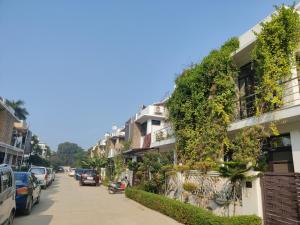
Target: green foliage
{"x":20,"y":111}
{"x":236,"y":173}
{"x":205,"y":165}
{"x":185,"y":213}
{"x":273,"y":56}
{"x":152,"y":172}
{"x":182,"y":168}
{"x":38,"y":161}
{"x":202,"y":105}
{"x":95,"y":163}
{"x":70,"y":154}
{"x":246,"y":145}
{"x":119,"y":165}
{"x":190,"y":187}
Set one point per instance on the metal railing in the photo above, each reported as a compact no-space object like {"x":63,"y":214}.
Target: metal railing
{"x":291,"y":97}
{"x":163,"y":134}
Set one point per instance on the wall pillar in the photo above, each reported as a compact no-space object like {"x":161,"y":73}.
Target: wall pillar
{"x":295,"y":140}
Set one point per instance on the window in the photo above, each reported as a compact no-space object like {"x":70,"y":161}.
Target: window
{"x":144,"y":129}
{"x":246,"y":84}
{"x":156,"y":122}
{"x":38,"y":171}
{"x":278,"y":152}
{"x":6,"y":181}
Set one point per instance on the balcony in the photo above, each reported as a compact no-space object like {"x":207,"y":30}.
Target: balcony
{"x":289,"y":111}
{"x":163,"y":137}
{"x":10,"y":155}
{"x":150,"y":112}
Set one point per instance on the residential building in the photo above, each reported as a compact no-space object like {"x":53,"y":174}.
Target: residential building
{"x":44,"y":148}
{"x":149,"y":130}
{"x":98,"y":150}
{"x":282,"y":152}
{"x":114,"y":143}
{"x":9,"y":154}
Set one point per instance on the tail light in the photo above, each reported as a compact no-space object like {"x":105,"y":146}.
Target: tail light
{"x":22,"y":191}
{"x":46,"y":176}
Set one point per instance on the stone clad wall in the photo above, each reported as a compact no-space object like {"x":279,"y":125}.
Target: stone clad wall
{"x":214,"y":193}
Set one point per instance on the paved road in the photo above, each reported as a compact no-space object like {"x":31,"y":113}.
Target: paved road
{"x":66,"y":203}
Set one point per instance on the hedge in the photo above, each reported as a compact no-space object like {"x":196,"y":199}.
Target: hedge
{"x":186,"y":213}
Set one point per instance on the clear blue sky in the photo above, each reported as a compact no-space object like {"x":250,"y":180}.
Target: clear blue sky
{"x":82,"y":66}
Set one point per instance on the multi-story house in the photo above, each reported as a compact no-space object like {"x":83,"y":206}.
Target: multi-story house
{"x":98,"y":150}
{"x":149,"y":130}
{"x":282,"y":152}
{"x":9,"y":153}
{"x":114,"y":143}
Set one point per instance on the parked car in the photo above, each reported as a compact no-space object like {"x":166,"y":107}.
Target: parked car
{"x":28,"y":191}
{"x":7,"y":195}
{"x":89,"y":177}
{"x":72,"y":172}
{"x":78,"y":173}
{"x":41,"y":174}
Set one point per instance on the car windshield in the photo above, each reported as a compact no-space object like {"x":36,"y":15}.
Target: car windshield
{"x":21,"y":178}
{"x":89,"y":172}
{"x":37,"y":171}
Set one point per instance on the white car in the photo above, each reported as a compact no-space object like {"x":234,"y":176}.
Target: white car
{"x":72,"y":172}
{"x":41,"y":174}
{"x":7,"y":195}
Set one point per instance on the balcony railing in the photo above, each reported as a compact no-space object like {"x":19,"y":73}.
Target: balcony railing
{"x":291,"y":97}
{"x":163,"y":134}
{"x":151,"y":110}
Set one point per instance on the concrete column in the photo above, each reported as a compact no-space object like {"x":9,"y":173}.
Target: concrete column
{"x":295,"y":141}
{"x":149,"y":126}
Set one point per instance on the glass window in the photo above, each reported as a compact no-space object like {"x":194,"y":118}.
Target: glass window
{"x":38,"y":171}
{"x":21,"y":178}
{"x":279,"y":153}
{"x":246,"y":84}
{"x":6,"y":180}
{"x":144,"y":129}
{"x":156,"y":122}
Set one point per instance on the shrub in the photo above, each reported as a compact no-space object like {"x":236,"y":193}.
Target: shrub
{"x":189,"y":186}
{"x":186,"y":213}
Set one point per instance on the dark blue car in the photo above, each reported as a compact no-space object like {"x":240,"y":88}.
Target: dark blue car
{"x":28,"y":191}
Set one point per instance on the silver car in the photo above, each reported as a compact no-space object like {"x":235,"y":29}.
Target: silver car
{"x":7,"y":195}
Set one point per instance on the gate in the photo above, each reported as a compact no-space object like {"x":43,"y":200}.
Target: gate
{"x":281,"y":198}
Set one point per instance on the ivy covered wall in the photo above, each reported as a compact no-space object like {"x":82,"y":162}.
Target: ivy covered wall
{"x":205,"y":98}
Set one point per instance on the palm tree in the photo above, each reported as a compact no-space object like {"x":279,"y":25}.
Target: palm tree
{"x":20,"y":111}
{"x":236,"y":172}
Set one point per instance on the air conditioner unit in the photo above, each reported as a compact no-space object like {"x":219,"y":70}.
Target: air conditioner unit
{"x":158,"y":110}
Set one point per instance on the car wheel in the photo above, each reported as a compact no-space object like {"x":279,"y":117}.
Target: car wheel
{"x":38,"y":198}
{"x":27,"y":211}
{"x":11,"y":218}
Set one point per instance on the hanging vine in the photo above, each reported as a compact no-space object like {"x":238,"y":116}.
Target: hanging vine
{"x":273,"y":57}
{"x":203,"y":104}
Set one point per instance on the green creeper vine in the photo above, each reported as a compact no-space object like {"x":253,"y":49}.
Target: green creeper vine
{"x":273,"y":57}
{"x":202,"y":106}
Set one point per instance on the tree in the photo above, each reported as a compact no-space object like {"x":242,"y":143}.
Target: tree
{"x":236,"y":173}
{"x":95,"y":163}
{"x":203,"y":105}
{"x":20,"y":111}
{"x":70,"y":154}
{"x":35,"y":147}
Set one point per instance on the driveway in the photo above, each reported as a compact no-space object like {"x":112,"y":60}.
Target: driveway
{"x":67,"y":203}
